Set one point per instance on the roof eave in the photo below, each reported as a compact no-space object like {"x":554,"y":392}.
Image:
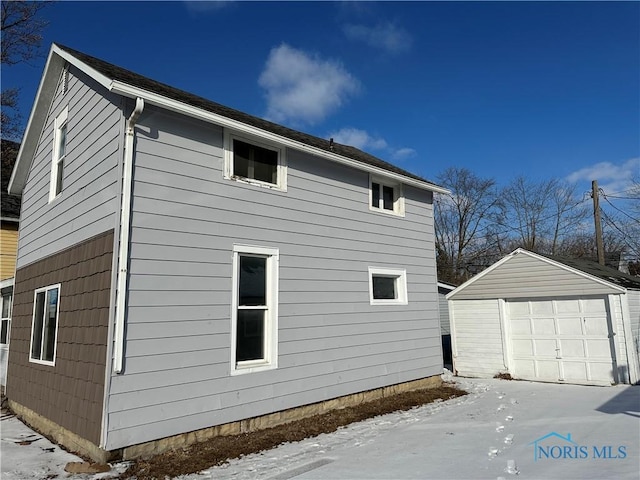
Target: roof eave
{"x":46,"y":91}
{"x":153,"y":98}
{"x":37,"y":118}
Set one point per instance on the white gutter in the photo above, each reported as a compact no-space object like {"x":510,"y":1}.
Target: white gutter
{"x":125,"y":227}
{"x":194,"y":112}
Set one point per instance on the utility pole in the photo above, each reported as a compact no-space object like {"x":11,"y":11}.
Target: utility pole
{"x":596,"y":218}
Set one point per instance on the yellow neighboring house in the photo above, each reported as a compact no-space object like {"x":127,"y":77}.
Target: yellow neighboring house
{"x":10,"y":219}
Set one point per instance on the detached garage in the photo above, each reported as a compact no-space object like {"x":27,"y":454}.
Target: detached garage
{"x":547,"y":319}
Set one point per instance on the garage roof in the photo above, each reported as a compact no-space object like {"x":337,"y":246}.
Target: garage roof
{"x":605,"y":273}
{"x":523,"y":274}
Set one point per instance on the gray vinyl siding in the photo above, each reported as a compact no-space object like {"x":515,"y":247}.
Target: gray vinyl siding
{"x":537,"y":277}
{"x":633,"y":297}
{"x":444,"y":314}
{"x":89,"y":201}
{"x":331,"y":341}
{"x":477,"y":337}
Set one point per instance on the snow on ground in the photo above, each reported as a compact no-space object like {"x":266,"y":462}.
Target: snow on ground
{"x":591,"y":433}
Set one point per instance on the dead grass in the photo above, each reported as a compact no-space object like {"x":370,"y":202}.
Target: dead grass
{"x":218,"y":450}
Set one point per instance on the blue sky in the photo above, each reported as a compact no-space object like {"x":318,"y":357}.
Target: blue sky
{"x":541,"y":89}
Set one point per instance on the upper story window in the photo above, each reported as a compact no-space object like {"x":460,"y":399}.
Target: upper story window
{"x":44,"y":327}
{"x":255,"y":162}
{"x":59,"y":154}
{"x":386,"y":197}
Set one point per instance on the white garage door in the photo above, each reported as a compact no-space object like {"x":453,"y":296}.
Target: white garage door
{"x":564,"y":340}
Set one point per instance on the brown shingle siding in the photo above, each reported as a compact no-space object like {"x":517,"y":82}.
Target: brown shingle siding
{"x":70,"y":393}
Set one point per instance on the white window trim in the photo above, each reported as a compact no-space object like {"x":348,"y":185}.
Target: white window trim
{"x":398,"y":196}
{"x":401,"y":285}
{"x":33,"y":319}
{"x":7,"y":318}
{"x":229,"y":137}
{"x":270,"y":361}
{"x":60,"y":121}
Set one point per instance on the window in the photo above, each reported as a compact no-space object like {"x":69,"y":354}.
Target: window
{"x":59,"y":154}
{"x":44,"y":328}
{"x":254,"y":162}
{"x":255,"y":309}
{"x":386,"y":197}
{"x":5,"y":321}
{"x":387,"y":286}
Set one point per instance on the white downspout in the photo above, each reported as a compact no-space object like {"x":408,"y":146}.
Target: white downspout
{"x":125,"y":227}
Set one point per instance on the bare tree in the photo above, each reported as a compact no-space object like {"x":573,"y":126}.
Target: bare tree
{"x":460,"y":221}
{"x":21,"y":41}
{"x":539,"y":215}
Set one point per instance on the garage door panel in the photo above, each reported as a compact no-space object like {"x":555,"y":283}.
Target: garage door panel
{"x":523,"y":347}
{"x":569,"y":325}
{"x":596,"y":326}
{"x":521,"y":326}
{"x":567,"y":306}
{"x":575,"y":371}
{"x":544,"y":326}
{"x":548,"y":369}
{"x":572,"y":348}
{"x":599,"y":348}
{"x":518,"y":309}
{"x":595,"y":305}
{"x":526,"y":368}
{"x":600,"y":370}
{"x":541,"y":308}
{"x":545,"y":347}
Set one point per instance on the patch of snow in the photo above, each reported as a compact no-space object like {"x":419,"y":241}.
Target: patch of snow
{"x":458,"y":438}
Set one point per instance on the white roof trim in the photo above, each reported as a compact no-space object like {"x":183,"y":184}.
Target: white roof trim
{"x":37,"y":117}
{"x":446,"y":285}
{"x":521,"y":251}
{"x":55,"y":62}
{"x":194,"y":112}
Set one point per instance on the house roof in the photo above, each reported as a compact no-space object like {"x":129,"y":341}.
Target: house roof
{"x":615,"y":279}
{"x":128,"y":83}
{"x":10,"y":203}
{"x":603,"y":272}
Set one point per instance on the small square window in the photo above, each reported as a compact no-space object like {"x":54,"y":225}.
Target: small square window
{"x":254,"y":162}
{"x":386,"y":198}
{"x":44,"y":328}
{"x":387,"y":286}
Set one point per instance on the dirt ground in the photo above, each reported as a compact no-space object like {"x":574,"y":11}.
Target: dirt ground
{"x":217,"y":451}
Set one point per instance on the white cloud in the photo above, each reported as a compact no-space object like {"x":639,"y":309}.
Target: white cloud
{"x":611,"y":177}
{"x":202,"y":6}
{"x":364,"y":141}
{"x":358,"y":138}
{"x":304,"y":88}
{"x":403,"y":153}
{"x":388,"y":37}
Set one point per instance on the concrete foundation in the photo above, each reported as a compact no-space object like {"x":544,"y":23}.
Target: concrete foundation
{"x":85,"y":448}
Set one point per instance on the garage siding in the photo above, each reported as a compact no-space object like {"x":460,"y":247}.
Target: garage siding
{"x":477,"y":337}
{"x":633,"y":297}
{"x":541,"y":279}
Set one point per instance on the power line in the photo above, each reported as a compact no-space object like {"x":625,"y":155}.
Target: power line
{"x":616,"y":208}
{"x":612,"y":224}
{"x":621,"y":198}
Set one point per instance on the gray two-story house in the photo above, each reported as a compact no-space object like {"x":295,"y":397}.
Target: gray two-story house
{"x":185,"y":269}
